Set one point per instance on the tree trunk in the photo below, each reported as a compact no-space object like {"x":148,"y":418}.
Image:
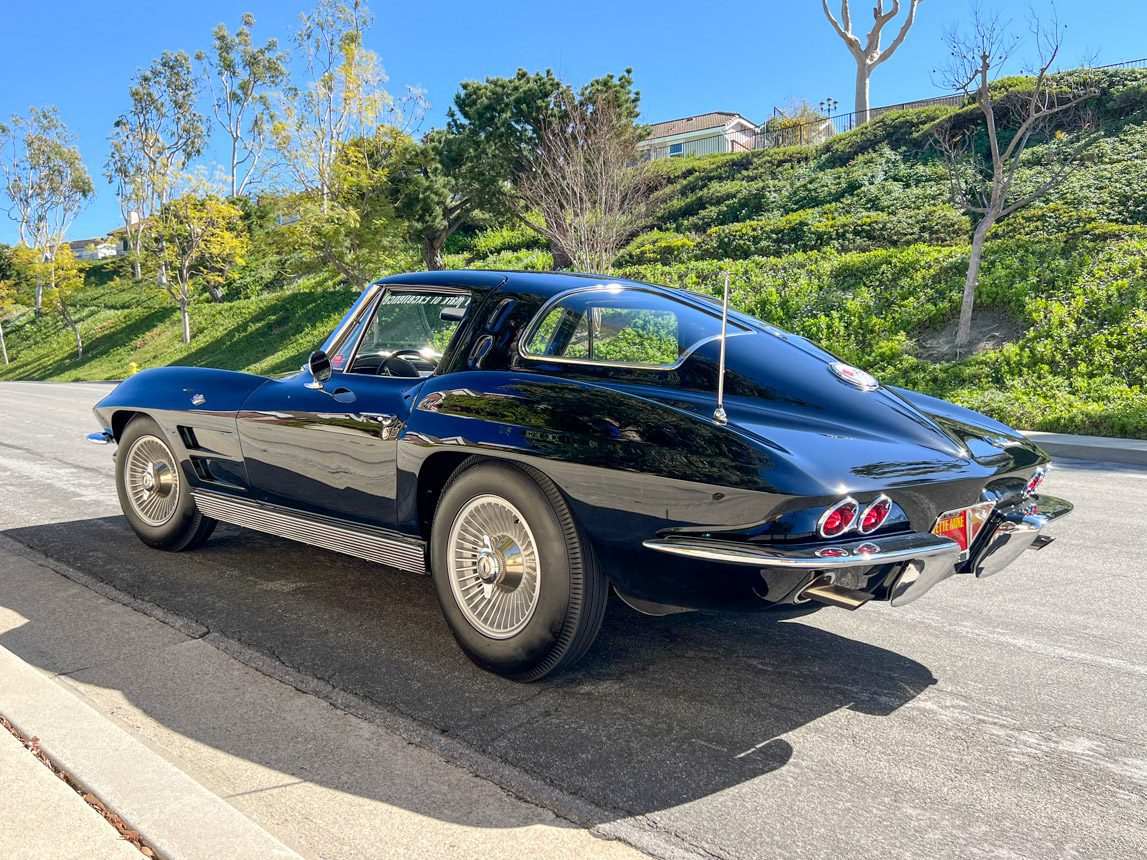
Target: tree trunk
{"x":186,"y":320}
{"x":39,"y":294}
{"x":862,"y":73}
{"x":964,"y":329}
{"x":562,"y":260}
{"x":136,"y":270}
{"x":75,"y":329}
{"x":3,"y":345}
{"x":214,"y":291}
{"x":234,"y":166}
{"x":432,"y":252}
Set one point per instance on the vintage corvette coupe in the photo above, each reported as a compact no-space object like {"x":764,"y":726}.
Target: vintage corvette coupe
{"x":533,"y":440}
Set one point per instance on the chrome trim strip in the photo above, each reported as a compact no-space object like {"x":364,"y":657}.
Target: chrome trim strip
{"x":325,"y":532}
{"x":884,"y":550}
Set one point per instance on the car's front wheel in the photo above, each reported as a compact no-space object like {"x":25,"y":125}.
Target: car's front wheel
{"x":153,"y":491}
{"x":517,"y":582}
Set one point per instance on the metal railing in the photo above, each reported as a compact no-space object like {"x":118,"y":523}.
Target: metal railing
{"x":810,"y":132}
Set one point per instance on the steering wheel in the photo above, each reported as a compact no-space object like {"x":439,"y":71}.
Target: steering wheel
{"x":398,"y":365}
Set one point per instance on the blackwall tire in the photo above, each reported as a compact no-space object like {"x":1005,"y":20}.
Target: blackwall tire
{"x":516,"y":581}
{"x":153,"y":490}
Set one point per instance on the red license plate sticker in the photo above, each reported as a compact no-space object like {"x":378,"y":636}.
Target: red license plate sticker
{"x":954,"y":526}
{"x":962,"y":525}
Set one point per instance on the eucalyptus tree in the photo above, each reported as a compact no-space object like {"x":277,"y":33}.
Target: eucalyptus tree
{"x":242,"y":79}
{"x":341,"y":97}
{"x":198,"y":237}
{"x":867,"y":52}
{"x":154,"y":140}
{"x":45,"y":181}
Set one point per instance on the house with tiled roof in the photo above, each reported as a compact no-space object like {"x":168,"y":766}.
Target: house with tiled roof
{"x":703,"y":134}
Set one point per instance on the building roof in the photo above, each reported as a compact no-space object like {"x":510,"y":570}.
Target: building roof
{"x":80,"y":244}
{"x":685,"y":125}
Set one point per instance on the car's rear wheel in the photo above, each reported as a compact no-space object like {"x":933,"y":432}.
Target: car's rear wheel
{"x":517,"y":582}
{"x":153,"y":491}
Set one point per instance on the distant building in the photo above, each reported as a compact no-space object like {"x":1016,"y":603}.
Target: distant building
{"x":99,"y":248}
{"x":704,"y":134}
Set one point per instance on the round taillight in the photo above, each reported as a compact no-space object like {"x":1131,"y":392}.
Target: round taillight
{"x":838,"y":519}
{"x":875,"y":514}
{"x":1036,"y":480}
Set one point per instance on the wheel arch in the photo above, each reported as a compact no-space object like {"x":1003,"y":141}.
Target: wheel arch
{"x":437,"y":470}
{"x":121,"y":418}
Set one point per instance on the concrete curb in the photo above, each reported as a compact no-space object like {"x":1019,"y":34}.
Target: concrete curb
{"x":1101,"y":448}
{"x":175,"y":814}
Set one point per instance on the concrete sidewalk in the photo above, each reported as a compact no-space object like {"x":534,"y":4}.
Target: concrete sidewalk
{"x":133,"y":708}
{"x":44,"y":819}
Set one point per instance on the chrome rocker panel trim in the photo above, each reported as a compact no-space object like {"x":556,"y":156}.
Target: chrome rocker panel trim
{"x":887,"y":550}
{"x":361,"y":541}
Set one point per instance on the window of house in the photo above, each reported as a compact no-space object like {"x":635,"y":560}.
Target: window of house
{"x":676,"y":149}
{"x":620,"y":325}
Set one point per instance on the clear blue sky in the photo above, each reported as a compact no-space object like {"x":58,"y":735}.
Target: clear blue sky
{"x":688,"y":57}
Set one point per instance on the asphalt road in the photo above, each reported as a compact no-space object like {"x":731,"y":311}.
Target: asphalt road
{"x":1002,"y":718}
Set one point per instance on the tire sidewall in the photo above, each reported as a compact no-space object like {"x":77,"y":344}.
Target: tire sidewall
{"x":530,"y":646}
{"x":185,"y":519}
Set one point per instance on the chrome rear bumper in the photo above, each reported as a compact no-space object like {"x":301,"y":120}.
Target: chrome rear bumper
{"x":867,"y":552}
{"x":1015,"y":531}
{"x":923,"y":559}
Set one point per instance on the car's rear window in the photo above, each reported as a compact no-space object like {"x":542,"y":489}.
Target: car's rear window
{"x":612,"y":324}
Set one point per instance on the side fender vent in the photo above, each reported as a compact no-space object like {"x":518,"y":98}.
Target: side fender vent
{"x":187,"y":435}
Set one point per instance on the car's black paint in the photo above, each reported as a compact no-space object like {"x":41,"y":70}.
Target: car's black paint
{"x":635,"y":451}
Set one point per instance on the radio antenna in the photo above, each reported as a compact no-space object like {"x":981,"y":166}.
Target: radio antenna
{"x":719,"y":413}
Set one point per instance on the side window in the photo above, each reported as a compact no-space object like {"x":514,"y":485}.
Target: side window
{"x":413,"y":324}
{"x":611,"y":325}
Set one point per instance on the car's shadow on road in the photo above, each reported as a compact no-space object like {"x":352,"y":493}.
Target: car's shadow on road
{"x":663,"y":711}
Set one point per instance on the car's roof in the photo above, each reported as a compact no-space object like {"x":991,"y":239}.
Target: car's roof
{"x":539,"y":283}
{"x":545,"y":285}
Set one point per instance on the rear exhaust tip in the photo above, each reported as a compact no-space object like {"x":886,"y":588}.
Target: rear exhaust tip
{"x":823,"y":591}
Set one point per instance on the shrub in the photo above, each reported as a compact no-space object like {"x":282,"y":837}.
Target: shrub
{"x":828,"y":228}
{"x":512,"y":237}
{"x":909,"y":129}
{"x":1061,"y":221}
{"x":657,"y":247}
{"x":526,"y":260}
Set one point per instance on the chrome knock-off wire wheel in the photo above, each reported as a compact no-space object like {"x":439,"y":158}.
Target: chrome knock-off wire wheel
{"x":493,"y":566}
{"x":152,"y":478}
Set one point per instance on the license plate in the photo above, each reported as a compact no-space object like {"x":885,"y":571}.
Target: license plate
{"x":963,"y":524}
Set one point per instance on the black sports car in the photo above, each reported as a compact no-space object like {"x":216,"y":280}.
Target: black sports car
{"x":532,"y":440}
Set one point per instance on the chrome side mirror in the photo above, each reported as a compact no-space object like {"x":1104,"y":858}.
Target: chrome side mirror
{"x":319,"y":366}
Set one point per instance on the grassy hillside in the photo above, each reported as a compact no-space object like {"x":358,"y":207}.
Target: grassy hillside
{"x":853,"y":243}
{"x":122,"y":323}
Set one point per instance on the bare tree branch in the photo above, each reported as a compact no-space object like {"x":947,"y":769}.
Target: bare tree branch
{"x":984,"y":186}
{"x":587,"y":182}
{"x":869,"y":55}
